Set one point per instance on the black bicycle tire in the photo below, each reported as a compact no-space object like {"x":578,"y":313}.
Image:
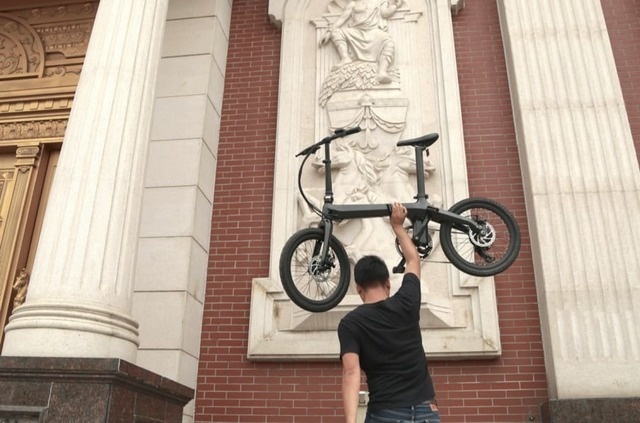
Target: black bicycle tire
{"x":286,"y":257}
{"x":460,"y":262}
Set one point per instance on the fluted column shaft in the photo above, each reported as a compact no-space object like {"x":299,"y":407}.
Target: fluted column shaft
{"x":79,"y":299}
{"x":582,"y":186}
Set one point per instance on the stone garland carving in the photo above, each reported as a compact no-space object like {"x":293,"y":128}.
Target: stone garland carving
{"x":20,"y":287}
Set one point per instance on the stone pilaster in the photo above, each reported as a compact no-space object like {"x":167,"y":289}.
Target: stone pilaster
{"x":582,"y":187}
{"x":79,"y":299}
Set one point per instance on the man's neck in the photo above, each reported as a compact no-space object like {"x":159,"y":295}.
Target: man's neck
{"x":374,"y":295}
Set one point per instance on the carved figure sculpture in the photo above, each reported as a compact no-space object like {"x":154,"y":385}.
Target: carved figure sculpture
{"x":20,"y":288}
{"x":361,"y":30}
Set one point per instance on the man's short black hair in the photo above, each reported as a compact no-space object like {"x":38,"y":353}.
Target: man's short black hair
{"x":370,"y":271}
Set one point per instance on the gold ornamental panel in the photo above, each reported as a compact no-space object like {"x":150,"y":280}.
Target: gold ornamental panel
{"x":42,"y":49}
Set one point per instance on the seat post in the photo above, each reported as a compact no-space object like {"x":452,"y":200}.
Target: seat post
{"x":422,"y":195}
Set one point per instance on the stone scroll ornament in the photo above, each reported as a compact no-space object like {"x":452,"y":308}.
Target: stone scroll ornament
{"x":362,"y":87}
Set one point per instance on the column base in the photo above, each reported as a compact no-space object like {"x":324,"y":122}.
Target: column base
{"x":57,"y":329}
{"x":592,"y":410}
{"x":35,"y":389}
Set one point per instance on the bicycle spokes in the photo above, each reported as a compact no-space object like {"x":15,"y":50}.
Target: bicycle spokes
{"x":482,"y":247}
{"x":315,"y":278}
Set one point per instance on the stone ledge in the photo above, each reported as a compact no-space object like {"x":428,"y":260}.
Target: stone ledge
{"x":592,"y":410}
{"x":87,"y":389}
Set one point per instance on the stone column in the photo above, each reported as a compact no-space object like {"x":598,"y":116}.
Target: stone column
{"x":582,"y":187}
{"x":80,"y":294}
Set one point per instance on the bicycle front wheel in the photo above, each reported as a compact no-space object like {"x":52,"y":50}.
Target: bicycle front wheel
{"x":487,"y":253}
{"x":311,"y":283}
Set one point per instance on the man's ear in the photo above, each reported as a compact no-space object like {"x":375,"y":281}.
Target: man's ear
{"x":359,"y":289}
{"x":387,"y":285}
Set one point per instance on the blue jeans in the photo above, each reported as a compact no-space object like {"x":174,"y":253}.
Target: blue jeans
{"x":422,"y":413}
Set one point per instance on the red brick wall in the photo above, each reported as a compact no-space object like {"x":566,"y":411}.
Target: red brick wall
{"x":231,"y":389}
{"x":623,"y":23}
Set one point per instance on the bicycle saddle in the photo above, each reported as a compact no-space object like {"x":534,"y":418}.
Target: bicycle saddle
{"x":424,"y":141}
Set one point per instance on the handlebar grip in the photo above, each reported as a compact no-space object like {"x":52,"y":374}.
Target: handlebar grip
{"x":353,"y":130}
{"x":338,"y":133}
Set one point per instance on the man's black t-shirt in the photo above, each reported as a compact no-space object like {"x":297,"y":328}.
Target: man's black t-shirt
{"x":386,"y":336}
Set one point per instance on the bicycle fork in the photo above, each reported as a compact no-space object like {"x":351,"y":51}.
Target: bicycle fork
{"x":327,"y":226}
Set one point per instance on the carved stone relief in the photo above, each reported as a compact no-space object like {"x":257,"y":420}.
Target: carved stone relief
{"x":41,"y":55}
{"x":389,"y":67}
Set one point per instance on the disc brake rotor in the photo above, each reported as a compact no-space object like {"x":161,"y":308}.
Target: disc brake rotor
{"x":485,"y":238}
{"x":320,"y":272}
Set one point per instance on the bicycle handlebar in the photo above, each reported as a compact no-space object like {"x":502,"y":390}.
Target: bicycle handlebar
{"x":338,"y":133}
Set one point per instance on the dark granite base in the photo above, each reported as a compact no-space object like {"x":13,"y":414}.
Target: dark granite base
{"x":87,"y":390}
{"x":592,"y":410}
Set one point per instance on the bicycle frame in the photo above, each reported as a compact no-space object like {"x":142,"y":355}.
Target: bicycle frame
{"x":420,"y":212}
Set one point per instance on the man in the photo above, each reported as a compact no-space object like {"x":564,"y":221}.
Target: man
{"x":382,"y":337}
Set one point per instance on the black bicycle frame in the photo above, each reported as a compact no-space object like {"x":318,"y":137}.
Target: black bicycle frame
{"x":420,"y":213}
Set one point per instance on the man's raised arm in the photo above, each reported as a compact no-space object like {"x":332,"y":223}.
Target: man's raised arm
{"x":398,"y":215}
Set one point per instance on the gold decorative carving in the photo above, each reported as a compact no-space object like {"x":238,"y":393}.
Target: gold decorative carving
{"x":38,"y":105}
{"x":20,"y":287}
{"x":70,"y":39}
{"x":76,"y":11}
{"x":38,"y":45}
{"x":33,"y":129}
{"x":62,"y":70}
{"x":28,"y":152}
{"x":21,"y":50}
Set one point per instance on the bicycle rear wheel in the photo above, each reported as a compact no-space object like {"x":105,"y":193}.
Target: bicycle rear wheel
{"x":485,"y":254}
{"x":311,"y":284}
